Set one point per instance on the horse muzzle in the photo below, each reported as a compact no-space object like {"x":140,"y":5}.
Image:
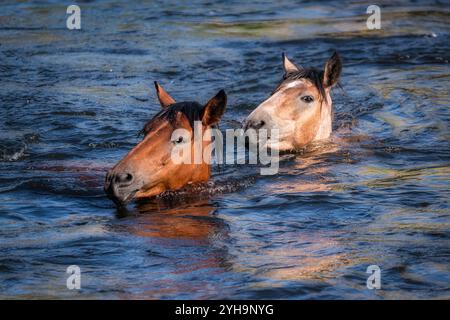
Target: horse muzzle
{"x":120,"y":187}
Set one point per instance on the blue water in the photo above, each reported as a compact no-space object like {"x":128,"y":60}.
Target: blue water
{"x":377,"y":193}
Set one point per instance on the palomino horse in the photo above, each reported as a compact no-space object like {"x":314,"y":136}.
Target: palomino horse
{"x":149,"y":168}
{"x":300,"y":108}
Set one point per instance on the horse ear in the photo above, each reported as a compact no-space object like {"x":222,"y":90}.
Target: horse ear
{"x":288,"y":66}
{"x":164,"y":98}
{"x":333,"y":69}
{"x":214,"y":109}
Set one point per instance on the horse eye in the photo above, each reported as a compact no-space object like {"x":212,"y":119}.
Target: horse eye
{"x":307,"y":99}
{"x":179,"y":140}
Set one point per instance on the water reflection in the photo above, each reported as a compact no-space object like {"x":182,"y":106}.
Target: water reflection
{"x":309,"y":256}
{"x":163,"y":219}
{"x":187,"y":237}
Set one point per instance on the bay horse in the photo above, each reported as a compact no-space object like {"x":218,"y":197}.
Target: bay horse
{"x":148,"y":169}
{"x":300,"y":107}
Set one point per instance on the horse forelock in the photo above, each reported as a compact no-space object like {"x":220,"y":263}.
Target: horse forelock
{"x":191,"y":109}
{"x":313,"y":75}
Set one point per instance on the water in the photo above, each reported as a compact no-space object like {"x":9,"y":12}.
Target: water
{"x":72,"y":103}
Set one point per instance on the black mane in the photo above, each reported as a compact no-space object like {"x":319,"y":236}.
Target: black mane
{"x":191,"y":109}
{"x":311,"y":74}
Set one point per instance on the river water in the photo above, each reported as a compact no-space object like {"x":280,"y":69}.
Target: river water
{"x":73,"y":101}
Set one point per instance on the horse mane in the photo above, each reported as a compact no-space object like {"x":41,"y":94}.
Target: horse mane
{"x":191,"y":109}
{"x":311,"y":74}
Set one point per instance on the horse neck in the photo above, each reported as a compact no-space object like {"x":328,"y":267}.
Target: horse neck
{"x":203,"y":171}
{"x":325,"y":124}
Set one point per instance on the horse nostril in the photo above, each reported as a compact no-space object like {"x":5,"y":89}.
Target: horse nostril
{"x":123,"y":178}
{"x":258,"y":125}
{"x":254,"y":125}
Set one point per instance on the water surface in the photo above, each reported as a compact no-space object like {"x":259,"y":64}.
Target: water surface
{"x":72,"y":103}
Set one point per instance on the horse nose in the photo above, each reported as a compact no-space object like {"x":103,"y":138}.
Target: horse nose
{"x":118,"y":184}
{"x":255,"y":124}
{"x":123,"y":178}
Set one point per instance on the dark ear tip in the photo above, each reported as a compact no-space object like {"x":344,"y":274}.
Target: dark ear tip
{"x":336,"y":56}
{"x":221,"y":94}
{"x":156,"y":85}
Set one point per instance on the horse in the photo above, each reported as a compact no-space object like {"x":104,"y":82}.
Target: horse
{"x":300,"y":107}
{"x":149,"y":169}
